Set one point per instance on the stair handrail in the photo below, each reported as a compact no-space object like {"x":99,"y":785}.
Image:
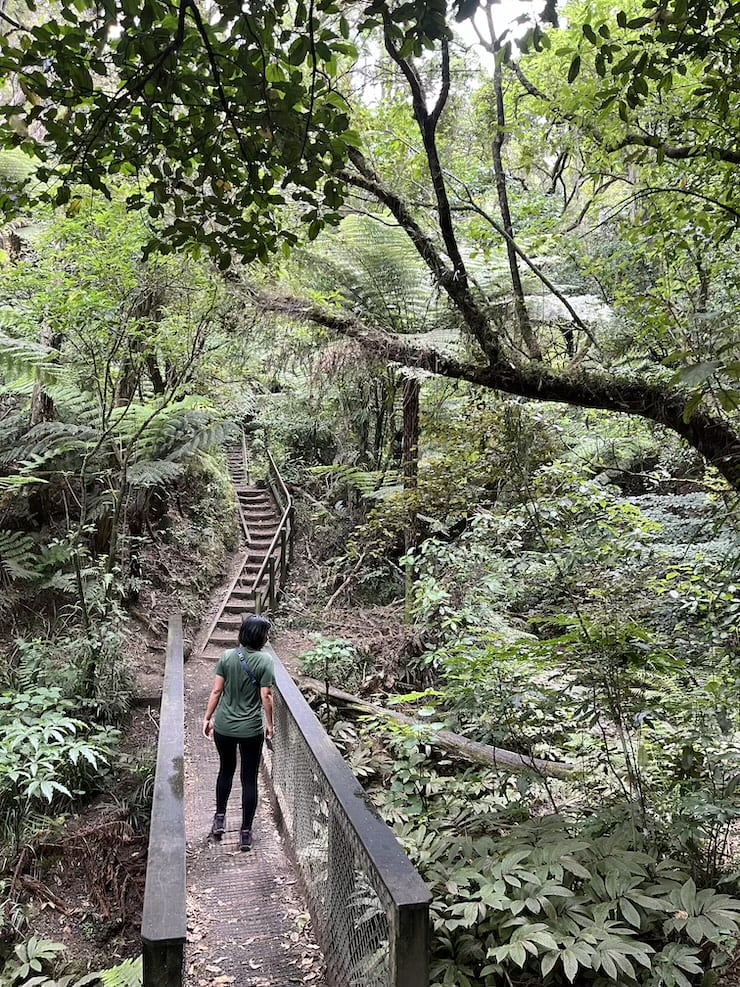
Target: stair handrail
{"x":283,"y":534}
{"x":287,"y":498}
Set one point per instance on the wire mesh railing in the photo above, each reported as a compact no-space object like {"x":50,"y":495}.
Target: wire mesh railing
{"x":369,"y":906}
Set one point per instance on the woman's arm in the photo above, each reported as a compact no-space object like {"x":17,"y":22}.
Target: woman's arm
{"x":216,"y":693}
{"x":268,"y":706}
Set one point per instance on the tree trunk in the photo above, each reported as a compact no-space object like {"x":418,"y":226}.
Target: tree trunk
{"x":411,"y":395}
{"x":42,"y":405}
{"x":520,"y":305}
{"x":452,"y":743}
{"x":42,"y":410}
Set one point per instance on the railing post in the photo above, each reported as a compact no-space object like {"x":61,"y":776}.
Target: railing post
{"x":164,"y":922}
{"x":283,"y":558}
{"x":410,"y":947}
{"x":291,"y":530}
{"x":271,"y":582}
{"x":245,"y":458}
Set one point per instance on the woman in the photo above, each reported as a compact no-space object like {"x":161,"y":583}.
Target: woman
{"x":242,"y":690}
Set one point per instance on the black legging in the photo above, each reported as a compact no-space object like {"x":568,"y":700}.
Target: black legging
{"x":250,"y":749}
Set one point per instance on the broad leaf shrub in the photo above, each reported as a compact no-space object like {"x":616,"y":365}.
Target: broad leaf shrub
{"x":27,"y":965}
{"x":522,"y":894}
{"x":545,"y":904}
{"x":47,"y":758}
{"x":520,"y":898}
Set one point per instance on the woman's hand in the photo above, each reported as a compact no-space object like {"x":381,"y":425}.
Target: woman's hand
{"x":208,"y":728}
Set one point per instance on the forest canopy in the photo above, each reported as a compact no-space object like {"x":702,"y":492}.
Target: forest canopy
{"x":247,"y":132}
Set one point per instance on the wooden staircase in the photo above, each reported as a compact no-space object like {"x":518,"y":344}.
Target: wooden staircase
{"x":260,"y":519}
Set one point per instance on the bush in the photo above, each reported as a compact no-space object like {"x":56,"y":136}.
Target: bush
{"x":48,"y":757}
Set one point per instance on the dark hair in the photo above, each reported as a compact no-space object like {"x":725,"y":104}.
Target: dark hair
{"x":253,"y":632}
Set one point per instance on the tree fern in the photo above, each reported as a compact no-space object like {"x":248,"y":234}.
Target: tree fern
{"x":18,"y":555}
{"x":156,"y":472}
{"x":48,"y":441}
{"x":23,"y":360}
{"x":175,"y":432}
{"x":368,"y":483}
{"x":375,"y":270}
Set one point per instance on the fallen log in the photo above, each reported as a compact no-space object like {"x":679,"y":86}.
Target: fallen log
{"x":453,"y":743}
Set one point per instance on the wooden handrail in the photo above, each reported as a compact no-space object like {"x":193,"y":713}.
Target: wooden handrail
{"x":288,"y":498}
{"x":283,"y":534}
{"x":164,"y":920}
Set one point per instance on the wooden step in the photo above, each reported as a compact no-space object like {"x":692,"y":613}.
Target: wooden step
{"x":239,"y":594}
{"x":223,"y":639}
{"x":249,"y":510}
{"x":230,"y":622}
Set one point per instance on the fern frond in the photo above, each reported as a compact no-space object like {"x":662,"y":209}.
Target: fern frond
{"x":368,"y":483}
{"x":23,"y":359}
{"x":153,"y":473}
{"x":126,"y":974}
{"x":177,"y":432}
{"x":377,"y":272}
{"x":15,"y":167}
{"x":48,"y":441}
{"x":16,"y":482}
{"x":18,"y":555}
{"x":72,"y":403}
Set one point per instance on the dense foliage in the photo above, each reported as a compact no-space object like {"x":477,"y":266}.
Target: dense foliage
{"x":455,"y":226}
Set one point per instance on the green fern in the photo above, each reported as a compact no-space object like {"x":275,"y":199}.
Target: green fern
{"x":378,"y":273}
{"x":174,"y":433}
{"x":48,"y":441}
{"x":368,"y":483}
{"x":126,"y":974}
{"x":154,"y":473}
{"x":18,"y":555}
{"x":23,"y":360}
{"x":15,"y":167}
{"x":14,"y":483}
{"x":30,"y":956}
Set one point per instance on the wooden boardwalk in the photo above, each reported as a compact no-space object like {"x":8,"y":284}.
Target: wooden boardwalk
{"x":247,"y":921}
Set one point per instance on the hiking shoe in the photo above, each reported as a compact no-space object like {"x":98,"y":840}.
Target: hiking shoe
{"x":219,"y":825}
{"x":245,"y":839}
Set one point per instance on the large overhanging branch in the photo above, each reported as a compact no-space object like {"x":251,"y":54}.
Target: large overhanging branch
{"x":710,"y":435}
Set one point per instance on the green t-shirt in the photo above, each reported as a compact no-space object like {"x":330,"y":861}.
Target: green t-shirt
{"x":239,"y":711}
